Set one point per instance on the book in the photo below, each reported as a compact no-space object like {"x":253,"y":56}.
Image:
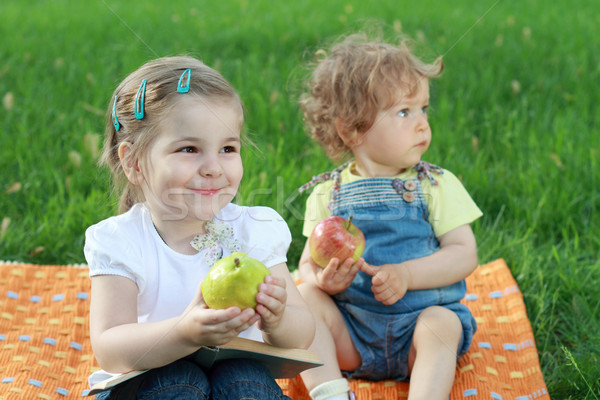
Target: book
{"x":281,"y":362}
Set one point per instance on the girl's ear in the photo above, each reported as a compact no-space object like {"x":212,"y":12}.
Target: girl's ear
{"x":130,"y":165}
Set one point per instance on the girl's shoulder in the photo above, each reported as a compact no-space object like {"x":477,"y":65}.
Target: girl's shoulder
{"x":234,"y":213}
{"x":255,"y":220}
{"x":261,"y":231}
{"x":118,"y":244}
{"x":124,"y":225}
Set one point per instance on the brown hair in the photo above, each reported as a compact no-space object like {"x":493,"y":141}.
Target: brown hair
{"x":351,"y":84}
{"x":162,"y":76}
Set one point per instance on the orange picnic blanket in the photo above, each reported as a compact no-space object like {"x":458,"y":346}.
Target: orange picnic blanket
{"x":45,"y":351}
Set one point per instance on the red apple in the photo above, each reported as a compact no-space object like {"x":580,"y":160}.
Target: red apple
{"x":336,"y":237}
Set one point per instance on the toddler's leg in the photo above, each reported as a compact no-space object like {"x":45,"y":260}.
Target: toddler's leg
{"x":181,"y":379}
{"x":332,"y":343}
{"x":434,"y":351}
{"x":244,"y":379}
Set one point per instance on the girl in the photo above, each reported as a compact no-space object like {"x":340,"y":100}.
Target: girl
{"x":173,"y":142}
{"x":396,"y":312}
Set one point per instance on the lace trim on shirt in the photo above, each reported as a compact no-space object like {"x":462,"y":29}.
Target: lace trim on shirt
{"x":218,"y":235}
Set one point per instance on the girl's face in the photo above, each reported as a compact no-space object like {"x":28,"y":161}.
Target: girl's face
{"x":398,"y":138}
{"x":193,"y":168}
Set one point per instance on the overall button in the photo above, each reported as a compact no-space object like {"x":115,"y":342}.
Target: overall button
{"x":408,"y":197}
{"x":397,"y":184}
{"x":410,"y":185}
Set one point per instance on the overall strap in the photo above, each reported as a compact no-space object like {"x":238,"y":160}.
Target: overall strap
{"x":424,"y":170}
{"x":326,"y":176}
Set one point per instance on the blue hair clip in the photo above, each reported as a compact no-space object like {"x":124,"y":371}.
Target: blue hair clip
{"x":115,"y":120}
{"x":184,"y":88}
{"x":139,"y":101}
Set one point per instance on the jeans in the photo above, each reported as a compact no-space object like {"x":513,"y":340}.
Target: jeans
{"x":237,"y":379}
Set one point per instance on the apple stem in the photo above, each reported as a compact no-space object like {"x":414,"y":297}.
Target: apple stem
{"x":349,"y":224}
{"x":236,"y":261}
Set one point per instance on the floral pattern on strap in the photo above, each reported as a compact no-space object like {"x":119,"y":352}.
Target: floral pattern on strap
{"x":325,"y":176}
{"x":219,"y":235}
{"x":424,"y":169}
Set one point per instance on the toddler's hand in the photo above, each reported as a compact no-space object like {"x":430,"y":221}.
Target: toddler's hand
{"x":336,"y":277}
{"x":271,"y":299}
{"x":390,"y":282}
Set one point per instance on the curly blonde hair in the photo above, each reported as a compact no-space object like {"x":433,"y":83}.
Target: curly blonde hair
{"x":162,"y":76}
{"x":353,"y":82}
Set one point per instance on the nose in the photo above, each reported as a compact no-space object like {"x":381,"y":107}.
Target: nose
{"x":210,"y":167}
{"x":422,"y":124}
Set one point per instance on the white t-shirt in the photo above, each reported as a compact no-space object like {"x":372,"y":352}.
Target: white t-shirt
{"x":128,"y":245}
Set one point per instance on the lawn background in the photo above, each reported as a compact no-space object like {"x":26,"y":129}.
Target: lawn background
{"x":515,"y":116}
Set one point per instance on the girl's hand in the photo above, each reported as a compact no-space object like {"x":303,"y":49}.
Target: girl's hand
{"x":204,"y":326}
{"x":390,"y":281}
{"x":336,"y":277}
{"x":271,"y":299}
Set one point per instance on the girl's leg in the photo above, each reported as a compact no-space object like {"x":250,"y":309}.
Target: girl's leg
{"x":244,"y":379}
{"x":434,"y":353}
{"x":181,"y":379}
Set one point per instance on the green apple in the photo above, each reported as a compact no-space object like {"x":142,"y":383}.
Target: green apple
{"x":233,"y":282}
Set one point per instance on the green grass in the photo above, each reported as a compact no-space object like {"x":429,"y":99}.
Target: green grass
{"x":515,"y":115}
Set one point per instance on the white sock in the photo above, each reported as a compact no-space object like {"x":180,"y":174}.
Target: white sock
{"x":336,"y":389}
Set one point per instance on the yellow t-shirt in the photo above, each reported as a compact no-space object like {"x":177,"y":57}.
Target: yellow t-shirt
{"x":449,"y":204}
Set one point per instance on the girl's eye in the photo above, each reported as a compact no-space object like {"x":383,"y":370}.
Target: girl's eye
{"x":188,"y":149}
{"x":424,"y":109}
{"x":403,"y":113}
{"x":228,"y":149}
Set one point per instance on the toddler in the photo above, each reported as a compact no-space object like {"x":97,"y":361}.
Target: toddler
{"x":396,"y":312}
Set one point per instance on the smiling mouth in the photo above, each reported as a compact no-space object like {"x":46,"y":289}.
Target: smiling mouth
{"x":207,"y":192}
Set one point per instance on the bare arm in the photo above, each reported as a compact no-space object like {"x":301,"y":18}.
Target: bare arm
{"x":286,"y":320}
{"x":456,"y":259}
{"x":122,"y":344}
{"x":307,"y":267}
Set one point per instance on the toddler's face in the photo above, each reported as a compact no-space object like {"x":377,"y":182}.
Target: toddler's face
{"x":399,"y":136}
{"x":194,"y":165}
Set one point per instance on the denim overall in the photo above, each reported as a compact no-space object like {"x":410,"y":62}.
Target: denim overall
{"x":393,"y":216}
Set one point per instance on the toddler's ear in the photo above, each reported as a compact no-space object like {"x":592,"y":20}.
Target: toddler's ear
{"x":349,"y":136}
{"x":130,"y":165}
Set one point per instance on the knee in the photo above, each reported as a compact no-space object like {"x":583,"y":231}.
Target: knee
{"x":189,"y":373}
{"x":243,"y":379}
{"x":318,"y":302}
{"x":439,"y":324}
{"x":307,"y":289}
{"x":180,"y":378}
{"x":312,"y":295}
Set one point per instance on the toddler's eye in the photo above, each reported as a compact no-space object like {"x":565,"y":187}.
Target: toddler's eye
{"x":402,"y":113}
{"x":188,"y":149}
{"x":424,"y":109}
